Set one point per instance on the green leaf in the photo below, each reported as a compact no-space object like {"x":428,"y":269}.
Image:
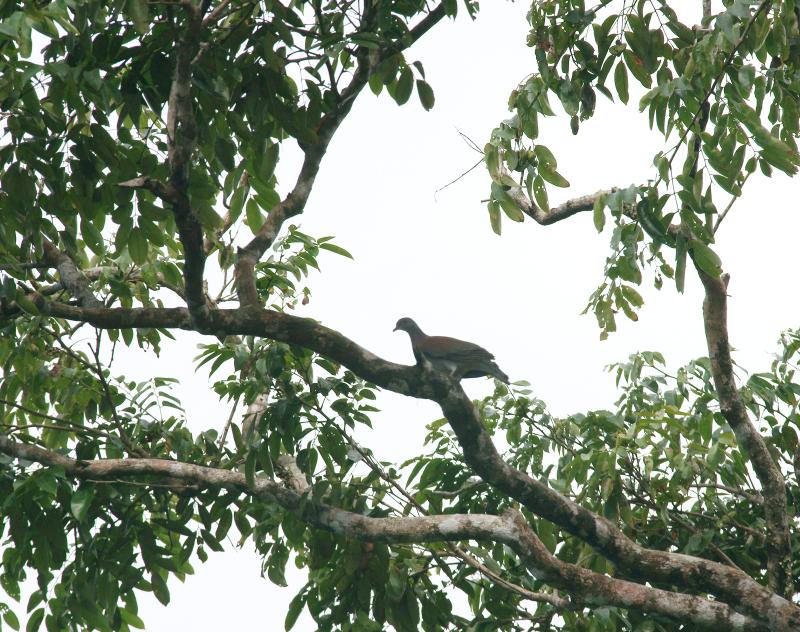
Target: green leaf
{"x":160,"y":589}
{"x":337,"y":249}
{"x":35,"y":620}
{"x":540,"y":194}
{"x":375,"y":83}
{"x":637,"y":68}
{"x":137,"y":245}
{"x":704,"y":427}
{"x":598,"y":213}
{"x":294,"y":610}
{"x":131,"y":618}
{"x":569,"y":98}
{"x":662,"y":165}
{"x":11,"y":619}
{"x":680,"y":262}
{"x":92,"y":237}
{"x":266,"y":163}
{"x":494,"y":216}
{"x":510,"y":208}
{"x":404,"y":86}
{"x":140,"y":16}
{"x":632,"y":296}
{"x":621,"y":81}
{"x":12,"y":25}
{"x":492,"y":159}
{"x":276,"y":575}
{"x":225,"y":151}
{"x":705,"y":258}
{"x":250,"y":469}
{"x":80,"y":503}
{"x":9,"y":288}
{"x":27,"y":305}
{"x":545,"y":157}
{"x":553,"y":177}
{"x":253,"y":217}
{"x":425,"y":93}
{"x":237,"y":202}
{"x":264,"y":458}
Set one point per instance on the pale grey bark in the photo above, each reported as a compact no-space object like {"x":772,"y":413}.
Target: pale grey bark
{"x":511,"y":529}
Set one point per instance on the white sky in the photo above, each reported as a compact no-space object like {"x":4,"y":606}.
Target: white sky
{"x":435,"y":258}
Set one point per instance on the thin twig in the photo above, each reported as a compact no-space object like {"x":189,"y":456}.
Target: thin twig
{"x":468,"y":171}
{"x":126,"y":440}
{"x":228,"y":424}
{"x":729,"y":206}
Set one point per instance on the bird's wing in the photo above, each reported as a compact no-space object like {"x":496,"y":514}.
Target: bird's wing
{"x":453,"y":349}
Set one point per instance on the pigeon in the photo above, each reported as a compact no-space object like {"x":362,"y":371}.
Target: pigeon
{"x":459,"y":358}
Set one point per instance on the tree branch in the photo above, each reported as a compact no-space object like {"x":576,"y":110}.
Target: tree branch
{"x":294,"y":203}
{"x":181,"y":140}
{"x":215,"y":13}
{"x":510,"y":529}
{"x":73,"y":280}
{"x":558,"y":213}
{"x":778,"y":541}
{"x":595,"y":588}
{"x":728,"y":584}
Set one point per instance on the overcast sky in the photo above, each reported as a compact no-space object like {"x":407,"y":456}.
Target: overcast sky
{"x":434,"y":257}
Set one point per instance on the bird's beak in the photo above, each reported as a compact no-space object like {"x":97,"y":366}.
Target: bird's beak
{"x":395,"y":329}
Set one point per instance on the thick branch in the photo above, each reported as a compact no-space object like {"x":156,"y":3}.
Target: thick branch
{"x":181,"y":140}
{"x":595,"y":588}
{"x":728,"y":584}
{"x":510,"y":529}
{"x":778,"y":541}
{"x":73,"y":280}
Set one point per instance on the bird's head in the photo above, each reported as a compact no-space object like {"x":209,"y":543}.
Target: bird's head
{"x":406,"y":324}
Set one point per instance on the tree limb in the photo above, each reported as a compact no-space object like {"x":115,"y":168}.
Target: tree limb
{"x":728,"y":584}
{"x":73,"y":280}
{"x":778,"y":541}
{"x":596,"y":588}
{"x":294,"y":203}
{"x":563,"y":211}
{"x":510,"y":529}
{"x":181,"y":141}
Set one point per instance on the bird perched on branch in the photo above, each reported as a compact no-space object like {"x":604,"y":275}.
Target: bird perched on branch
{"x":459,"y":358}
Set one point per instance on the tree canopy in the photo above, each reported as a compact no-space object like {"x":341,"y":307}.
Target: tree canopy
{"x":139,"y":201}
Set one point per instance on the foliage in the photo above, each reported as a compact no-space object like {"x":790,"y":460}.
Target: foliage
{"x":723,"y":93}
{"x":89,"y":153}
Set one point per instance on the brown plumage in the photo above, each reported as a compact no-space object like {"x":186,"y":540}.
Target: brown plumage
{"x":460,"y":358}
